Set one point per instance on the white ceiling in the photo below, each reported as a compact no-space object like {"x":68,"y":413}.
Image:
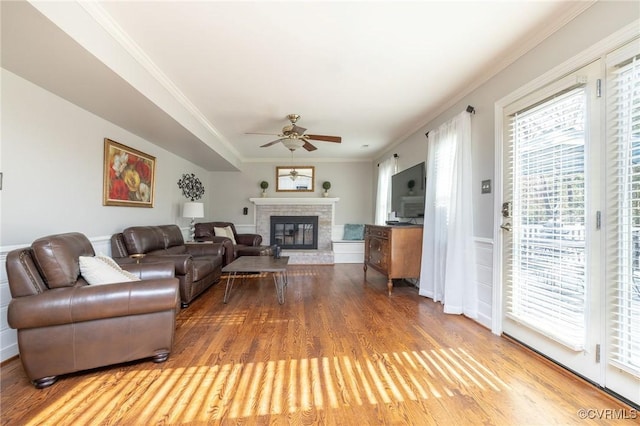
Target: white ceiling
{"x":372,"y":72}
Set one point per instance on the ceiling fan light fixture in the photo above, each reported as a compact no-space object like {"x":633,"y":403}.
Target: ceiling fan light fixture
{"x":293,"y":144}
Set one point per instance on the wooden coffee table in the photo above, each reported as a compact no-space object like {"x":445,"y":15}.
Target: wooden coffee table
{"x":244,"y":264}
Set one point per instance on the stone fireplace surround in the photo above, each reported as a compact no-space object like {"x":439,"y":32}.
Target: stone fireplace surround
{"x":324,"y":208}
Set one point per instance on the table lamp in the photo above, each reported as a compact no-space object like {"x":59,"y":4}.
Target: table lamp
{"x":193,"y":210}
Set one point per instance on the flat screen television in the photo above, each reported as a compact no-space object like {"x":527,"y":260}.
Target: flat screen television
{"x":407,"y":192}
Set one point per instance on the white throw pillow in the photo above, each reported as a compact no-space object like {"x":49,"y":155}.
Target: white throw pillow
{"x":225,"y":232}
{"x":103,"y":270}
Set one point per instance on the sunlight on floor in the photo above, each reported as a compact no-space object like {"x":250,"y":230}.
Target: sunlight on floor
{"x":235,"y":391}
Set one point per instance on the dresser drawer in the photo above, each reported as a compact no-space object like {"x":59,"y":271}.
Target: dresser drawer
{"x":378,"y":232}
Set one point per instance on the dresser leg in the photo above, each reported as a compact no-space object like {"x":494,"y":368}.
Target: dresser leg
{"x":390,"y":285}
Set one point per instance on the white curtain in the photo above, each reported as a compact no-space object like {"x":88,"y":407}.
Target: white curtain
{"x":448,"y":258}
{"x":386,"y":169}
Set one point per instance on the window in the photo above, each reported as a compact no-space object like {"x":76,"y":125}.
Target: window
{"x":623,"y":237}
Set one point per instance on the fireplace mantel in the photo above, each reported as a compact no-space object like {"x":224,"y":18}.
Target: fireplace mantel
{"x":267,"y":201}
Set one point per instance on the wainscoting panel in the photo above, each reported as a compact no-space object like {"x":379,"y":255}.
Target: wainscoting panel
{"x":484,"y":279}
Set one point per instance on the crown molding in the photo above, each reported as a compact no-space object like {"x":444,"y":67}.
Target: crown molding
{"x":102,"y":18}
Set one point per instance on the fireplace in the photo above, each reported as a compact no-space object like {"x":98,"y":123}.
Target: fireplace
{"x":294,"y":232}
{"x":321,"y":207}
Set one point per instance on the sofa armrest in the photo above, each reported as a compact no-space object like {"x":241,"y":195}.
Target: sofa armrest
{"x":228,"y":250}
{"x":205,"y":249}
{"x":151,"y":271}
{"x":182,"y":263}
{"x":249,"y":239}
{"x":213,"y":238}
{"x":70,"y":305}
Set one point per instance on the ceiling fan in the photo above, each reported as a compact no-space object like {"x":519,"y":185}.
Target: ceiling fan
{"x":293,"y":136}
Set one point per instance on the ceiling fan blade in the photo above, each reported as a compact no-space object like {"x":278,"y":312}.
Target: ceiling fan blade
{"x":325,"y":138}
{"x":299,"y":130}
{"x":308,"y":145}
{"x":271,"y":143}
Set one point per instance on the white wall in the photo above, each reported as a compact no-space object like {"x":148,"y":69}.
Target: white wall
{"x":52,"y":164}
{"x":350,"y":181}
{"x":593,"y":25}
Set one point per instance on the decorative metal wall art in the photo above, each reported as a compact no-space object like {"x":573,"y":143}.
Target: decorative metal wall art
{"x":191,"y":187}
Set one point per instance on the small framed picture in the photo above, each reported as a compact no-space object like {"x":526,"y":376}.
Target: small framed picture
{"x":295,"y":179}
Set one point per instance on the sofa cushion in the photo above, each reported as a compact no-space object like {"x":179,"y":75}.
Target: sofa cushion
{"x":225,"y":232}
{"x":57,"y":257}
{"x":97,"y":270}
{"x":353,"y":231}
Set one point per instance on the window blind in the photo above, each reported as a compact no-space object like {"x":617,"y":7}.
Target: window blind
{"x":623,"y":215}
{"x":547,"y":289}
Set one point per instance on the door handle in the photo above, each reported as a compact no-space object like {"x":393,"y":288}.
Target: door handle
{"x":506,"y":227}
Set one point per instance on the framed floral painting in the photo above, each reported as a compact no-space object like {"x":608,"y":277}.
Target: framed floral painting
{"x":129,"y":176}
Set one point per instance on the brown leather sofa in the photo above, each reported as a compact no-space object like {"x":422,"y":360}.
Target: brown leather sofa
{"x":65,"y":325}
{"x":246,"y":244}
{"x":197,"y":266}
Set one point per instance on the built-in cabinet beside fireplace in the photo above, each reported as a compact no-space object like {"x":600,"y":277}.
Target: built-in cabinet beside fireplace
{"x":395,"y":251}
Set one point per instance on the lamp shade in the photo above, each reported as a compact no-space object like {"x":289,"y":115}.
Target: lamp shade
{"x":193,"y":210}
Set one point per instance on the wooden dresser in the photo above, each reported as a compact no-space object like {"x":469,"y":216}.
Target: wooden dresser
{"x":395,"y":251}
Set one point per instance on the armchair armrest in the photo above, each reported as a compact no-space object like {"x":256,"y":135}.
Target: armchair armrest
{"x":249,"y":239}
{"x":93,"y":302}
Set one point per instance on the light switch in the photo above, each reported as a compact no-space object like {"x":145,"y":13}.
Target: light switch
{"x":486,"y":186}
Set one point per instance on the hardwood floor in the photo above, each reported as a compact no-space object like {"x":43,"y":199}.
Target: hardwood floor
{"x":338,"y":352}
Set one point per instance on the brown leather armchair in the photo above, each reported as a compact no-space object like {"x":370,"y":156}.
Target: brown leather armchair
{"x":197,"y":266}
{"x":205,"y":232}
{"x":65,"y":325}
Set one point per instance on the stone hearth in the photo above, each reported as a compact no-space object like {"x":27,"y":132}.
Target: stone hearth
{"x":324,"y":208}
